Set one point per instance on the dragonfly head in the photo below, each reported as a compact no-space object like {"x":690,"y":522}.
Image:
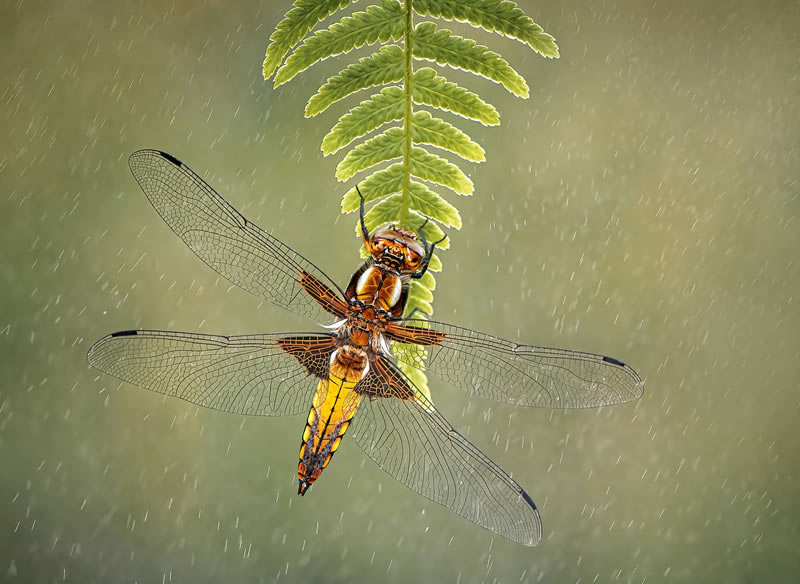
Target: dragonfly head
{"x":398,"y":249}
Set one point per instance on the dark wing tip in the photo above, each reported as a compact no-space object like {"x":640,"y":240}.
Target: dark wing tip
{"x":536,"y":536}
{"x":148,"y":151}
{"x":614,"y":361}
{"x":124,"y":333}
{"x":528,"y":499}
{"x":637,"y":381}
{"x":91,"y":355}
{"x":170,"y":157}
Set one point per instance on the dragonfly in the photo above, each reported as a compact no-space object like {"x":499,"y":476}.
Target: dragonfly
{"x":360,"y":389}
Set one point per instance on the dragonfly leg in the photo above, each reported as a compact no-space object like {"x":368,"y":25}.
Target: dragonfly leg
{"x":364,"y":230}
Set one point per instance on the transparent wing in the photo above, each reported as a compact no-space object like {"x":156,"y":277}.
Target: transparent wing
{"x":519,"y":374}
{"x":410,"y":440}
{"x":259,"y":375}
{"x":242,"y":252}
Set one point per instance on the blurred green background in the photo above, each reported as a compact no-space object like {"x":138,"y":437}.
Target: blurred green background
{"x":643,"y":203}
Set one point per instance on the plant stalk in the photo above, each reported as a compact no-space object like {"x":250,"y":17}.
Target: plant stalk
{"x":407,"y":75}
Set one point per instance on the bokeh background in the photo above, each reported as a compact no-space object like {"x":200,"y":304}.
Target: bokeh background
{"x":643,"y":203}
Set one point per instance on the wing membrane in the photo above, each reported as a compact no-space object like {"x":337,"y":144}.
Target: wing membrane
{"x":259,"y":375}
{"x":412,"y":442}
{"x":519,"y":374}
{"x":240,"y":251}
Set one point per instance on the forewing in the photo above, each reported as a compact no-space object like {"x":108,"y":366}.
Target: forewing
{"x":519,"y":374}
{"x":240,"y":251}
{"x":259,"y":375}
{"x":412,"y":441}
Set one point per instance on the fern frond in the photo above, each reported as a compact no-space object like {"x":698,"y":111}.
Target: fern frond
{"x":433,"y":168}
{"x":436,"y":91}
{"x":383,"y":147}
{"x":434,"y":131}
{"x":397,"y":192}
{"x":500,"y":16}
{"x":376,"y":23}
{"x":383,"y":107}
{"x":443,"y":47}
{"x":295,"y":25}
{"x":380,"y":68}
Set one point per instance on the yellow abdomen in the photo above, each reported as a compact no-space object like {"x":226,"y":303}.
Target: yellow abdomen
{"x":335,"y":403}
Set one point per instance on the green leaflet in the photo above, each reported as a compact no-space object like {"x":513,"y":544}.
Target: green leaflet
{"x":424,"y":293}
{"x":383,"y":212}
{"x":432,"y":233}
{"x":430,"y":167}
{"x":422,"y":199}
{"x":382,"y":147}
{"x":443,"y":47}
{"x":376,"y":23}
{"x":383,"y":179}
{"x":436,"y":91}
{"x":383,"y":107}
{"x":500,"y":16}
{"x":386,"y":146}
{"x":350,"y":200}
{"x":380,"y":68}
{"x":377,"y":185}
{"x":416,"y":303}
{"x":434,"y":206}
{"x":428,"y":281}
{"x":436,"y":263}
{"x":434,"y":131}
{"x":294,"y":26}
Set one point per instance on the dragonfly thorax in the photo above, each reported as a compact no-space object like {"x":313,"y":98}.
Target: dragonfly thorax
{"x":376,"y":293}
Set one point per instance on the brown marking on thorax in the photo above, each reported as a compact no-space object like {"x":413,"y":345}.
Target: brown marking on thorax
{"x":376,"y":286}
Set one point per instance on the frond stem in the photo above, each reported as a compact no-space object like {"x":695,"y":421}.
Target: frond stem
{"x":407,"y":75}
